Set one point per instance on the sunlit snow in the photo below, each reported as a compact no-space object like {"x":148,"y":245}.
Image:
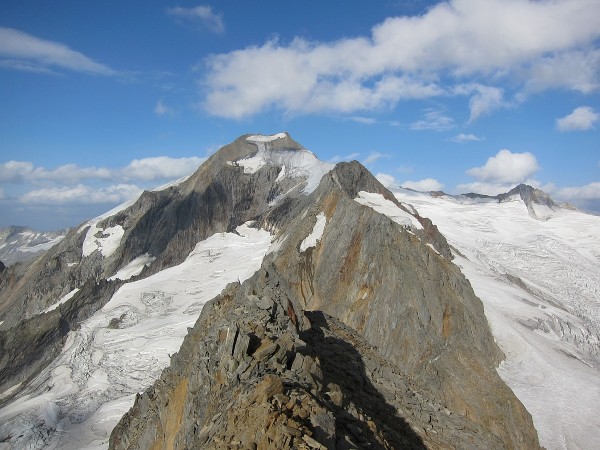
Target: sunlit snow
{"x":106,"y":240}
{"x":298,"y":163}
{"x":383,"y":206}
{"x":78,"y":399}
{"x":547,"y":321}
{"x":135,"y":267}
{"x":265,"y":138}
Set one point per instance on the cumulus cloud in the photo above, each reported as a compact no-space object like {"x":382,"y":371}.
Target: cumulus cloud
{"x":387,"y":180}
{"x":581,"y":119}
{"x":425,"y":185}
{"x":506,"y":168}
{"x":202,"y":15}
{"x":462,"y":137}
{"x":23,"y":51}
{"x":458,"y":41}
{"x":81,"y":194}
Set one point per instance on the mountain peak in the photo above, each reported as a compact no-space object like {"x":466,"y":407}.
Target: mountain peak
{"x":539,"y":204}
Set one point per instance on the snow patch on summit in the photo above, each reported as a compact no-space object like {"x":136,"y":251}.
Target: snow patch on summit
{"x":297,"y":163}
{"x":263,"y":138}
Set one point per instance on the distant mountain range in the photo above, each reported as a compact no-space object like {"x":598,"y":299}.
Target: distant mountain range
{"x":272,"y":300}
{"x":19,"y":244}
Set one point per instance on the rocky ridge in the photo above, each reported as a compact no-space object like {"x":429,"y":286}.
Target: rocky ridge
{"x":367,"y":280}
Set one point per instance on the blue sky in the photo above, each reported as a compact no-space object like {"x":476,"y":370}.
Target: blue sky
{"x":99,"y":100}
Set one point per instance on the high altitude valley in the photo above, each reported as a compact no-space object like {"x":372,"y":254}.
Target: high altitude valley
{"x":271,"y":300}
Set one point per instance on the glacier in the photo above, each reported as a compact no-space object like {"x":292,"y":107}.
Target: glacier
{"x":121,"y":350}
{"x":539,"y":281}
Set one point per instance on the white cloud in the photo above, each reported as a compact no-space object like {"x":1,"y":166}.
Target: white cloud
{"x":161,"y":167}
{"x":162,"y":110}
{"x":581,"y":119}
{"x":433,"y":121}
{"x":573,"y":69}
{"x":586,"y":197}
{"x":425,"y":185}
{"x":515,"y":42}
{"x":3,"y":195}
{"x":485,"y":100}
{"x":15,"y":171}
{"x":375,"y":156}
{"x":81,"y":194}
{"x":386,"y":179}
{"x":203,"y":14}
{"x":589,"y":191}
{"x":146,"y":169}
{"x":506,"y":168}
{"x":462,"y":137}
{"x":22,"y":51}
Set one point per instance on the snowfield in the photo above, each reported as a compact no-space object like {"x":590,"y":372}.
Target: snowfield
{"x":539,"y":281}
{"x":121,"y":350}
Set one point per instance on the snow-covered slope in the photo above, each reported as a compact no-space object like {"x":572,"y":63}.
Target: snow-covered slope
{"x":22,"y":243}
{"x":119,"y":351}
{"x":540,"y":285}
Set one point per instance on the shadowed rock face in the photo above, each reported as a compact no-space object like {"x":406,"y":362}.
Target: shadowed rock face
{"x":364,"y":335}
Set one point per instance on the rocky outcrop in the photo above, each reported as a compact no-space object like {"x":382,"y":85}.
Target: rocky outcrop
{"x":257,"y":372}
